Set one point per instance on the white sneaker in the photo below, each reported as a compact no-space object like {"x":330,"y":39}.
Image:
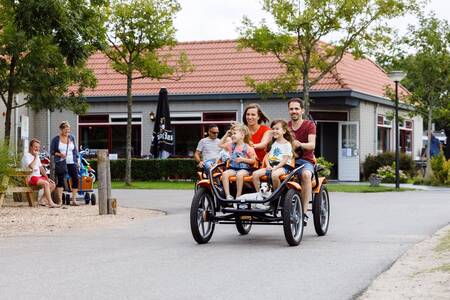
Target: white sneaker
{"x":229,"y":197}
{"x":261,"y":206}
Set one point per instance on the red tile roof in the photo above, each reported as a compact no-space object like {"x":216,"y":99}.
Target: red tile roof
{"x":219,"y":68}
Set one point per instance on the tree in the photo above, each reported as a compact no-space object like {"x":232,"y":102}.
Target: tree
{"x":296,"y":42}
{"x":428,"y":71}
{"x":44,"y":45}
{"x":138,"y":30}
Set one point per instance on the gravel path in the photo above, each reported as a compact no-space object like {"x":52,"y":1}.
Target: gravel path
{"x":18,"y":220}
{"x":421,"y":273}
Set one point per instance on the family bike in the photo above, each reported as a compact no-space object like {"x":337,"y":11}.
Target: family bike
{"x":268,"y":191}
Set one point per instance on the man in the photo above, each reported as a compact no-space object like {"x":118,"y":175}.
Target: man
{"x":38,"y":177}
{"x":208,"y":150}
{"x":304,"y":132}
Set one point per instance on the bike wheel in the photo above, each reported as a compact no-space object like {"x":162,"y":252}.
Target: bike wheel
{"x":321,"y":211}
{"x":292,"y":213}
{"x":202,"y":212}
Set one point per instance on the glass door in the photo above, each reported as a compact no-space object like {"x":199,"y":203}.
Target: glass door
{"x":348,"y":151}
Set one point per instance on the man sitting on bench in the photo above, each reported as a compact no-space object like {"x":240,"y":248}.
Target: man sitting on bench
{"x":39,"y":177}
{"x":304,"y":132}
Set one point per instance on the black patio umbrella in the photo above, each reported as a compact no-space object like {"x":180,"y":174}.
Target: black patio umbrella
{"x":163,"y":136}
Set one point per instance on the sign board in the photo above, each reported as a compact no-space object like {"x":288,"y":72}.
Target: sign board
{"x":113,"y":156}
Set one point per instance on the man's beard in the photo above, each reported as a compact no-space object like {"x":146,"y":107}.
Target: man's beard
{"x":295,"y":117}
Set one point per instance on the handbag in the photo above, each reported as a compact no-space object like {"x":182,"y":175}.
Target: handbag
{"x":61,"y":165}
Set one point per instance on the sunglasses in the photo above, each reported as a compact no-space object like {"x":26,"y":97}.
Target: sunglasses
{"x":214,"y":132}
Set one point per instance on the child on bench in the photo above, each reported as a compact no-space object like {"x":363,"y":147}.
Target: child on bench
{"x":279,"y":158}
{"x":242,"y":157}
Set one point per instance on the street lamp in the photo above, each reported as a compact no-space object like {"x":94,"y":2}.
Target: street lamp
{"x":397,"y":76}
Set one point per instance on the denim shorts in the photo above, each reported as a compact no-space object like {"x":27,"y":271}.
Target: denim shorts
{"x":287,"y":169}
{"x":307,"y":166}
{"x":238,"y":169}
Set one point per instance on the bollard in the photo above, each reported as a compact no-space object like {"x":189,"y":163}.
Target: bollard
{"x":102,"y":161}
{"x":108,"y":185}
{"x":112,"y":206}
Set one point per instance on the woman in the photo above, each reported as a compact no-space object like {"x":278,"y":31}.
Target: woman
{"x":261,"y":135}
{"x":64,"y":151}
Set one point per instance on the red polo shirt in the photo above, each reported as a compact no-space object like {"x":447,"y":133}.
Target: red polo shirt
{"x":301,"y":134}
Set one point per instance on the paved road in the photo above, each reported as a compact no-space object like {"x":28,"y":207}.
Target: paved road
{"x":158,"y":259}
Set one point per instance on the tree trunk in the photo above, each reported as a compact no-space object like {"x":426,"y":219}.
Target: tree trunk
{"x":429,"y":171}
{"x":9,"y":101}
{"x":306,"y":99}
{"x":129,"y":127}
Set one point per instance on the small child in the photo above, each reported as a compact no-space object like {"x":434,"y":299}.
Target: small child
{"x":279,"y":158}
{"x":242,"y":157}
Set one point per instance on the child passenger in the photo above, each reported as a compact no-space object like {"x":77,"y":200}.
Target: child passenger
{"x":242,"y":157}
{"x":279,"y":158}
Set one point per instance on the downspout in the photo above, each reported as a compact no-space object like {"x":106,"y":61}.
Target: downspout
{"x":242,"y":109}
{"x":48,"y":130}
{"x":376,"y":130}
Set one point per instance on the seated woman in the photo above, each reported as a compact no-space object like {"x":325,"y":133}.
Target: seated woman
{"x":242,"y":157}
{"x":279,"y":158}
{"x":260,"y":134}
{"x":39,"y":177}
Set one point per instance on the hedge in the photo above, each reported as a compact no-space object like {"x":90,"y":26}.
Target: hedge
{"x":152,"y":169}
{"x":373,"y":162}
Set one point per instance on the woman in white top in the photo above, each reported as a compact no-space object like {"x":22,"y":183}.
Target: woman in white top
{"x":39,"y":177}
{"x":64,"y":150}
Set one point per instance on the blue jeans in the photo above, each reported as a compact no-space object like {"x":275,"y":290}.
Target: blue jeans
{"x":307,"y":166}
{"x":207,"y":164}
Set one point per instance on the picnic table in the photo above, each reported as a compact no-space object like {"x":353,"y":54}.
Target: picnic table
{"x":16,"y":182}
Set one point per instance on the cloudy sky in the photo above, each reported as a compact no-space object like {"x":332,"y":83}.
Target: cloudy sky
{"x":201,"y":20}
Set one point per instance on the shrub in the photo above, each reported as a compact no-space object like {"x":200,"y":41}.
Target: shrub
{"x":387,"y":174}
{"x":374,"y":162}
{"x":441,"y":169}
{"x":327,"y":166}
{"x":153,"y":169}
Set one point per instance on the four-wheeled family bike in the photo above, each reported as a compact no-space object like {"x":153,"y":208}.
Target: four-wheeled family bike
{"x":283,"y":207}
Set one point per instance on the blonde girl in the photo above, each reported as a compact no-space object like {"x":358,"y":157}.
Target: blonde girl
{"x":279,"y":158}
{"x":242,"y":157}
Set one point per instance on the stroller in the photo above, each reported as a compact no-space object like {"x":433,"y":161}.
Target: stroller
{"x":86,"y":179}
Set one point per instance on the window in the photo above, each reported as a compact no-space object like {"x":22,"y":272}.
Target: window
{"x":190,"y":127}
{"x":406,"y":130}
{"x":383,"y":134}
{"x":109,"y":132}
{"x":383,"y":139}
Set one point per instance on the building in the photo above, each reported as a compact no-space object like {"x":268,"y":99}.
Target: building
{"x":352,"y":113}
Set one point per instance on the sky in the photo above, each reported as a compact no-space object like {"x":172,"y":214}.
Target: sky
{"x":201,"y":20}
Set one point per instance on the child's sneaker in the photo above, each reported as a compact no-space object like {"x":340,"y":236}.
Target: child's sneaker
{"x":229,"y":197}
{"x":261,"y":206}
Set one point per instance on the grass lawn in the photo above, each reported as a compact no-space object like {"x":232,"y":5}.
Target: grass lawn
{"x":361,"y":188}
{"x":189,"y":185}
{"x":155,"y":185}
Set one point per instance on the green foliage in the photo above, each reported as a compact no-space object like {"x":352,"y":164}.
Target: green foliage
{"x":374,"y":162}
{"x":387,"y":174}
{"x":5,"y":159}
{"x":427,"y":69}
{"x":140,"y":36}
{"x":327,"y":166}
{"x":153,"y":169}
{"x":300,"y":26}
{"x":441,"y":169}
{"x":44,"y":45}
{"x":137,"y":33}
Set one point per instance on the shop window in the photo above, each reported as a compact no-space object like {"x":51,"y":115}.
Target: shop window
{"x":93,"y":119}
{"x":104,"y":132}
{"x":383,"y":139}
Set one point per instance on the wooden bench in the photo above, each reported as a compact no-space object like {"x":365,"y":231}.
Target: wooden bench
{"x":17,"y":183}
